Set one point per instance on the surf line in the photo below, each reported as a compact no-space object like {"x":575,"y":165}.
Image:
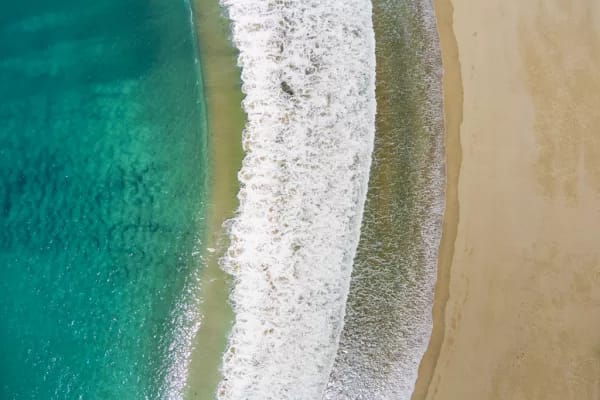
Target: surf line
{"x":308,"y":72}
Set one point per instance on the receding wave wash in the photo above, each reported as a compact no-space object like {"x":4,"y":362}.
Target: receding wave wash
{"x":388,"y":314}
{"x":308,"y":71}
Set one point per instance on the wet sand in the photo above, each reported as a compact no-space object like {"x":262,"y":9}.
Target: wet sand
{"x":225,"y":124}
{"x":517,"y":309}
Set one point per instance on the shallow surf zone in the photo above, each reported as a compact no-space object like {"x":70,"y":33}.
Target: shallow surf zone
{"x":388,"y":312}
{"x":308,"y":72}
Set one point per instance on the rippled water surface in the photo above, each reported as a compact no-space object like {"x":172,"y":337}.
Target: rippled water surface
{"x":102,"y":187}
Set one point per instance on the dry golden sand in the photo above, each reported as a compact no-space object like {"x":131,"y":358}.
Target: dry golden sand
{"x":225,"y":123}
{"x":517,"y":311}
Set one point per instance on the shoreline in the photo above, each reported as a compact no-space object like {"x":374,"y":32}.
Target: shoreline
{"x":516,"y":307}
{"x":226,"y":120}
{"x":453,"y":115}
{"x":397,"y":256}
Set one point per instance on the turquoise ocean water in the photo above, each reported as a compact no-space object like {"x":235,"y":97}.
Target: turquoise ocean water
{"x":102,"y":195}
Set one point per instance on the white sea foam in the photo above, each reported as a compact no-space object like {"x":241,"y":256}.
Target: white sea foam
{"x":308,"y":71}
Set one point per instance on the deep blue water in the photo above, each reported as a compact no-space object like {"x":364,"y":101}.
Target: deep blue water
{"x":102,"y":190}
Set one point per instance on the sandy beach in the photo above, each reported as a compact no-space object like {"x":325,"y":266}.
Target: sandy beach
{"x":517,"y":310}
{"x":225,"y":123}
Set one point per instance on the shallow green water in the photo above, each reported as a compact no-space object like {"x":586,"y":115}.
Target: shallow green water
{"x":102,"y":190}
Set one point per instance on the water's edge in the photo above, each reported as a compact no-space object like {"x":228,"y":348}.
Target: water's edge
{"x":453,"y":114}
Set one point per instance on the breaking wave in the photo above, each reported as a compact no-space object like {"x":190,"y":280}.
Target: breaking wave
{"x":308,"y":71}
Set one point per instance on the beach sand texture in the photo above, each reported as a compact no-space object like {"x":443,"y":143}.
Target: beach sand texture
{"x":225,"y":124}
{"x":520,"y":258}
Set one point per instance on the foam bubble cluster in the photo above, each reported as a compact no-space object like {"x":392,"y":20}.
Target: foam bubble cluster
{"x":308,"y":71}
